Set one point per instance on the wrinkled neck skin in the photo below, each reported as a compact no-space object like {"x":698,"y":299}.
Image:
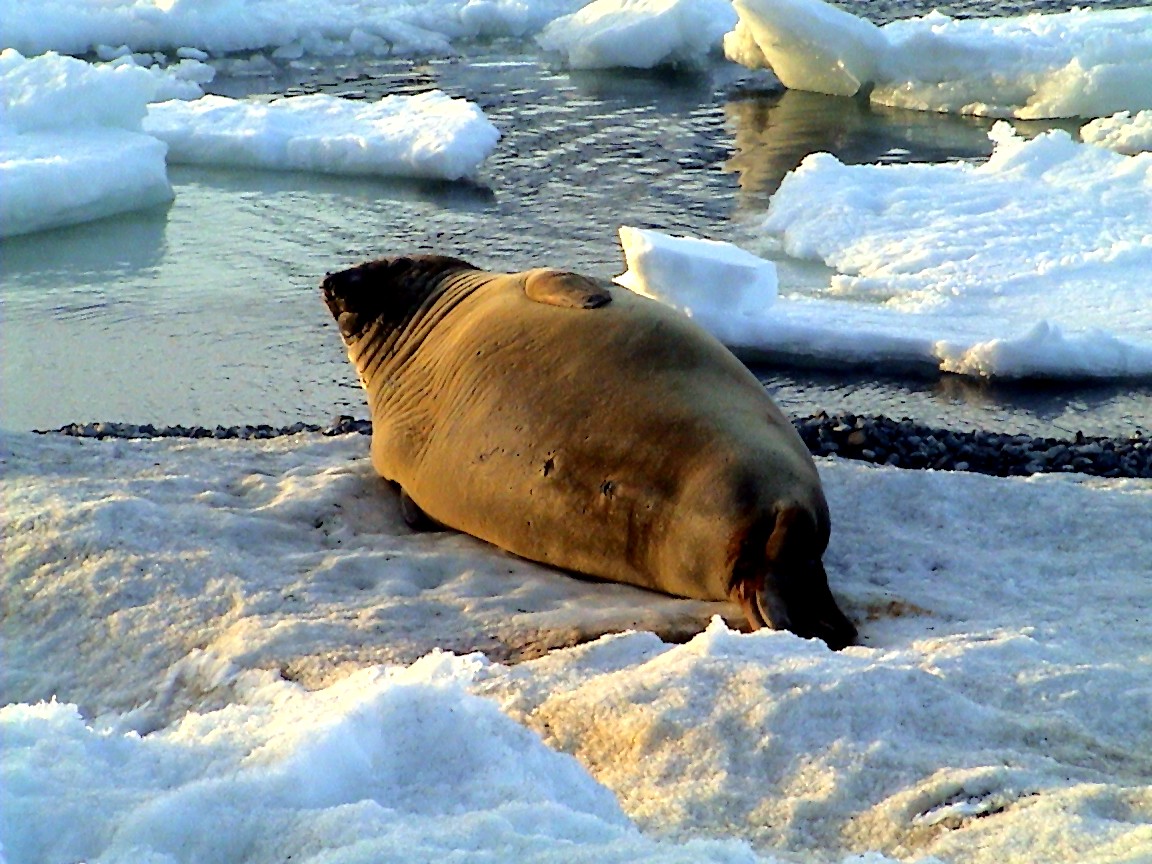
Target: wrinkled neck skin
{"x":383,"y":347}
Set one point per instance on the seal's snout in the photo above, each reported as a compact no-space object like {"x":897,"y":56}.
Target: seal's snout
{"x":797,"y":600}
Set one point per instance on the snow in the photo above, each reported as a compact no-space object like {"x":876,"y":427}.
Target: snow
{"x":244,"y":641}
{"x":640,"y":33}
{"x":83,"y":141}
{"x":396,"y":135}
{"x":1083,"y":63}
{"x":1031,"y":264}
{"x":1124,"y":131}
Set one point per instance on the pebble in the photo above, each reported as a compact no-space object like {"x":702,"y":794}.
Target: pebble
{"x":882,"y":440}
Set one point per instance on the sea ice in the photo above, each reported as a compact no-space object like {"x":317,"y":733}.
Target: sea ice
{"x":1086,"y":63}
{"x":1124,"y":132}
{"x":639,"y":33}
{"x":294,"y":27}
{"x":71,"y":145}
{"x":425,"y":135}
{"x":81,"y":140}
{"x":696,"y":276}
{"x":1033,"y":263}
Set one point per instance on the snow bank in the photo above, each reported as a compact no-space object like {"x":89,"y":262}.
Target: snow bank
{"x":640,"y":33}
{"x":1124,"y":132}
{"x":71,"y":145}
{"x":1034,"y":263}
{"x":386,"y":765}
{"x":999,"y":702}
{"x":425,"y":135}
{"x":1081,"y":63}
{"x":292,"y":27}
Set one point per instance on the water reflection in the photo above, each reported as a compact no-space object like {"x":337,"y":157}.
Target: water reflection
{"x":128,"y":242}
{"x":1042,"y":409}
{"x":462,"y":194}
{"x":668,"y":90}
{"x":775,"y":131}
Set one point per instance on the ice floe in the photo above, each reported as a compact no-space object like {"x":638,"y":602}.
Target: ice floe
{"x":1083,"y":63}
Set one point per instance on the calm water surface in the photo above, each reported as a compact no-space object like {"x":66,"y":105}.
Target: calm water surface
{"x":207,"y":311}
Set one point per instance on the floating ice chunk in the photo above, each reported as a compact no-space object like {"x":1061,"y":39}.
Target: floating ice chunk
{"x":810,"y":45}
{"x":180,"y":80}
{"x":187,"y":53}
{"x":639,"y":33}
{"x":1045,"y":351}
{"x":706,"y":279}
{"x":50,"y":179}
{"x":71,"y":148}
{"x":1047,"y":229}
{"x":427,"y":135}
{"x":1124,"y":132}
{"x":1080,"y":63}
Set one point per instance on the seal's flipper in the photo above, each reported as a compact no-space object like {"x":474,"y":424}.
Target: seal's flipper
{"x":567,"y":290}
{"x":414,"y":517}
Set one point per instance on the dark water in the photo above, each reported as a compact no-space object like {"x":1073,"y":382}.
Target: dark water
{"x":206,"y":312}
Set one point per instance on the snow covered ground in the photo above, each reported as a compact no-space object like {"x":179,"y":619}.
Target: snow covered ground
{"x":224,"y":626}
{"x":1083,"y":63}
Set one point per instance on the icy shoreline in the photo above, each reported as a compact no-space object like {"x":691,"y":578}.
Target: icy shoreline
{"x":880,"y":440}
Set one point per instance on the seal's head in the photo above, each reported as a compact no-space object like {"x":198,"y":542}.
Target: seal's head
{"x":387,"y":291}
{"x":780,"y":583}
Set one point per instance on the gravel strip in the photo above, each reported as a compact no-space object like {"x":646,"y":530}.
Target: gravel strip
{"x":902,"y":443}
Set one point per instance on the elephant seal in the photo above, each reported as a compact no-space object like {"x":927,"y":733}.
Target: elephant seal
{"x":580,"y":425}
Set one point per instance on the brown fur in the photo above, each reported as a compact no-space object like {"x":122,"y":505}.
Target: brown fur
{"x":574,"y":423}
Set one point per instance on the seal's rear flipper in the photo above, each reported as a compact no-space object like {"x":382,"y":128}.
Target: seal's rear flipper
{"x":414,"y":515}
{"x":567,"y":290}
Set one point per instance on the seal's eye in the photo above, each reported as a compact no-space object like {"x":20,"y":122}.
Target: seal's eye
{"x":349,"y":324}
